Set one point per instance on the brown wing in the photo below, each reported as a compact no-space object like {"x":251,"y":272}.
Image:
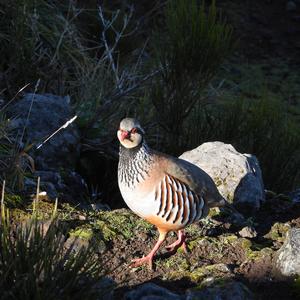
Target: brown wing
{"x":178,"y":204}
{"x":198,"y":181}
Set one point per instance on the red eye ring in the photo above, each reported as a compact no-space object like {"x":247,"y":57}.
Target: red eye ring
{"x":133,"y":130}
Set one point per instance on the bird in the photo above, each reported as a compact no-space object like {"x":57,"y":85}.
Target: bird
{"x":166,"y":191}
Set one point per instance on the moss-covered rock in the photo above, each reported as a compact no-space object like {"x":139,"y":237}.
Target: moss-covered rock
{"x":278,"y":232}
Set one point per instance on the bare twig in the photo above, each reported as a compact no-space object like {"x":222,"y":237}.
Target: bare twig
{"x":56,"y":131}
{"x":111,"y":100}
{"x":10,"y":101}
{"x":29,"y":110}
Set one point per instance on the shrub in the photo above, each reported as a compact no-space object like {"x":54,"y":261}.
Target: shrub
{"x":189,"y":51}
{"x":35,"y":265}
{"x":259,"y":126}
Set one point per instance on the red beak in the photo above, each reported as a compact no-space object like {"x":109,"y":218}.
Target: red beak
{"x":124,"y":134}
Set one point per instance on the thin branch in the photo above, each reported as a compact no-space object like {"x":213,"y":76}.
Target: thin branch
{"x":107,"y":104}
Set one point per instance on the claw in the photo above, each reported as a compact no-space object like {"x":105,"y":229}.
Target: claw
{"x":137,"y":262}
{"x":179,"y":243}
{"x":149,"y":258}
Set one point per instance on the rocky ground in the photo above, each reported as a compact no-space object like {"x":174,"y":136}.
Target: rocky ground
{"x":238,"y":260}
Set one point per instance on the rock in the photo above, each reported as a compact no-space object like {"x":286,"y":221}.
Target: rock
{"x":151,"y":291}
{"x":82,"y":237}
{"x":106,"y":288}
{"x":48,"y":113}
{"x":227,"y":291}
{"x":237,"y":176}
{"x":278,"y":232}
{"x":97,"y":207}
{"x":295,"y":196}
{"x":291,"y":6}
{"x":76,"y":244}
{"x":248,"y":232}
{"x":71,"y":187}
{"x":288,"y":256}
{"x":56,"y":160}
{"x":81,"y":217}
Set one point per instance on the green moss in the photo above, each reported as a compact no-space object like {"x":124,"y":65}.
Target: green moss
{"x":107,"y":233}
{"x":120,"y":222}
{"x":194,"y":243}
{"x":19,"y":215}
{"x":245,"y":243}
{"x":179,"y":262}
{"x":213,"y":212}
{"x":12,"y":200}
{"x":256,"y":255}
{"x":198,"y":274}
{"x":83,"y":232}
{"x":278,"y":232}
{"x":229,"y":239}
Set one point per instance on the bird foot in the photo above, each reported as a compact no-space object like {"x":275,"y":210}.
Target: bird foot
{"x":176,"y":245}
{"x":179,"y":243}
{"x":141,"y":261}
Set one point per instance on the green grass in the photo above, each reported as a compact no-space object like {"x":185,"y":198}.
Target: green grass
{"x":35,"y":265}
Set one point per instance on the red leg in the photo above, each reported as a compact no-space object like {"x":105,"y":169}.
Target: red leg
{"x":179,"y":243}
{"x":149,"y":258}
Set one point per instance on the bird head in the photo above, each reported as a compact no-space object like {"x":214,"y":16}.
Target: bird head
{"x":130,"y":133}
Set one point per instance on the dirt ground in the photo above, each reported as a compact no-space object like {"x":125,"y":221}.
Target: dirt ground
{"x":215,"y":250}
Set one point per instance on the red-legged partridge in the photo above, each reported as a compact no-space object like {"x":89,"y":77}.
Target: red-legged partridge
{"x":168,"y":192}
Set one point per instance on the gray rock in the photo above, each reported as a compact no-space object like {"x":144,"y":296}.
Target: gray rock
{"x":291,"y":6}
{"x":288,"y":256}
{"x":71,"y":187}
{"x":48,"y":113}
{"x":151,"y":291}
{"x":75,"y":244}
{"x":105,"y":288}
{"x":248,"y":232}
{"x":227,"y":291}
{"x":295,"y":196}
{"x":237,"y":176}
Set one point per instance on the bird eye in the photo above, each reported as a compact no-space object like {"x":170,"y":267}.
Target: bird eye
{"x":133,"y":130}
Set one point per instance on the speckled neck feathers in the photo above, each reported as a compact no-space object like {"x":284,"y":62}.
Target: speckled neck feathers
{"x":134,"y":165}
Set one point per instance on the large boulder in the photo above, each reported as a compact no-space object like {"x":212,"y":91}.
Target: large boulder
{"x":151,"y":291}
{"x":34,"y":118}
{"x":237,"y":176}
{"x":288,"y":256}
{"x":233,"y":290}
{"x":41,"y":115}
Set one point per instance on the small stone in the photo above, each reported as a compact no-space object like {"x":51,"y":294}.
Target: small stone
{"x":291,"y":6}
{"x":81,"y":217}
{"x":288,"y":256}
{"x":248,"y":232}
{"x":98,"y":207}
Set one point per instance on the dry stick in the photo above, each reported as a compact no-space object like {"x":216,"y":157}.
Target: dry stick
{"x":36,"y":199}
{"x":119,"y":95}
{"x":55,"y":209}
{"x":108,"y":24}
{"x":2,"y":203}
{"x":56,"y":131}
{"x":30,"y":107}
{"x":19,"y":91}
